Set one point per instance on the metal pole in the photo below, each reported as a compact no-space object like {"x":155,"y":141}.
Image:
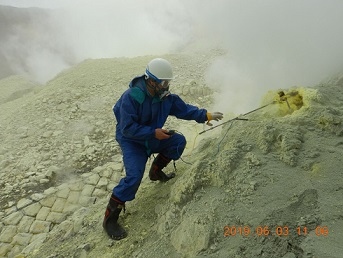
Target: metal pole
{"x":237,"y":118}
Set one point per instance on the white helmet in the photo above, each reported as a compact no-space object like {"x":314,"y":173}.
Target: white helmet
{"x":159,"y":69}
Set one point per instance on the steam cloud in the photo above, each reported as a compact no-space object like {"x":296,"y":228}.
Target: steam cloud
{"x":270,"y":44}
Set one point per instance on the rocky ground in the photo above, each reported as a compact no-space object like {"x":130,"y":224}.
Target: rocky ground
{"x":267,"y":187}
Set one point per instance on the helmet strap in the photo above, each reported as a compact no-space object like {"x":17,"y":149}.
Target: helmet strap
{"x":150,"y":87}
{"x":151,"y":76}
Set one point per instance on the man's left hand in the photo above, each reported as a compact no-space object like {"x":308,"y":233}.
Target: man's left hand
{"x":214,"y":116}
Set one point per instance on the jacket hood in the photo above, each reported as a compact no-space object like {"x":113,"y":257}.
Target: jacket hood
{"x":139,"y":82}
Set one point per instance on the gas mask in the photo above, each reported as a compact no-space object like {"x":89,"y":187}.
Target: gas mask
{"x":162,"y":89}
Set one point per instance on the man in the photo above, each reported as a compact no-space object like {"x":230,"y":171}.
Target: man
{"x":141,"y":113}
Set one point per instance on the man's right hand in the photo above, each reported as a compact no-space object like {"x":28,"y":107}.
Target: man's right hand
{"x":160,"y":134}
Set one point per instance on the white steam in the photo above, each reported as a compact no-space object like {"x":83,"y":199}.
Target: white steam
{"x":82,"y":29}
{"x":270,"y":44}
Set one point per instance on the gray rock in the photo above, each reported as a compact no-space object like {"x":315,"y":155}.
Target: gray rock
{"x":23,"y":203}
{"x":8,"y":233}
{"x":56,"y":217}
{"x":32,"y":209}
{"x":39,"y":226}
{"x":36,"y":241}
{"x":22,"y":239}
{"x":289,"y":255}
{"x":25,"y":224}
{"x":13,"y":219}
{"x":43,"y":213}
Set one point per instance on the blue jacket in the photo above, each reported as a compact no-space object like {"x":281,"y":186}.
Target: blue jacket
{"x":138,"y":114}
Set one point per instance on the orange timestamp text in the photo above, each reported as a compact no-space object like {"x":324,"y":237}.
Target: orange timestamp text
{"x":231,"y":231}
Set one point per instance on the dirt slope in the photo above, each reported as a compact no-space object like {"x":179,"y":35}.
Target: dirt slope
{"x":267,"y":187}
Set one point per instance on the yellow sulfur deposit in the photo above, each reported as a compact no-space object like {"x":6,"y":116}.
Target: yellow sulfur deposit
{"x":288,"y":101}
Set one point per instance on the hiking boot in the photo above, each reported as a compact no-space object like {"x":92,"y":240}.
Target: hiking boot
{"x":110,"y":223}
{"x":156,"y":172}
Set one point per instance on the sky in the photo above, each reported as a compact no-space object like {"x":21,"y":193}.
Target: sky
{"x":269,"y":44}
{"x":35,"y":3}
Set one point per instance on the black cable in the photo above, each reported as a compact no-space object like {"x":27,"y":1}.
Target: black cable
{"x":223,"y":139}
{"x":178,"y":153}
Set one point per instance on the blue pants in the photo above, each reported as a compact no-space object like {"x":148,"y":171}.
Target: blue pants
{"x":135,"y":156}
